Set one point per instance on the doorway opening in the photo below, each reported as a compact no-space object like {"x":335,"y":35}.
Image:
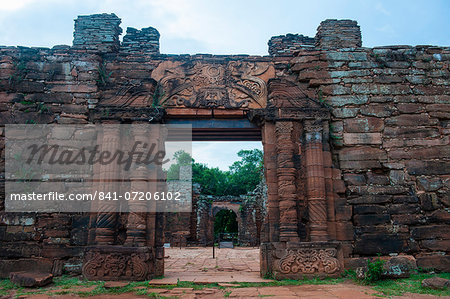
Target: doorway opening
{"x":228,"y":205}
{"x":226,"y":228}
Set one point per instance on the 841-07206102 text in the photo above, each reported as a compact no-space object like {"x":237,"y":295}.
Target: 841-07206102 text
{"x":97,"y":195}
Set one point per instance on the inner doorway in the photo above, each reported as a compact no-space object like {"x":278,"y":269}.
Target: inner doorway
{"x":219,"y":214}
{"x":226,"y":229}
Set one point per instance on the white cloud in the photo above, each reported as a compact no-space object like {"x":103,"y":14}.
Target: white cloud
{"x":8,"y":5}
{"x":224,"y":27}
{"x":379,"y":7}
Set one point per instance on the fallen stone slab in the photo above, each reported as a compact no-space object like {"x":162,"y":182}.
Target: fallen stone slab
{"x":399,"y":267}
{"x":31,"y":279}
{"x":436,"y":283}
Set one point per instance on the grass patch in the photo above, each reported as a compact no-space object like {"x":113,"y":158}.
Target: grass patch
{"x":413,"y":284}
{"x":66,"y":282}
{"x":6,"y":286}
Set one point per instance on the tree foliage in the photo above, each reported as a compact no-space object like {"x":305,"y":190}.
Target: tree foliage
{"x":242,"y":177}
{"x":181,"y":158}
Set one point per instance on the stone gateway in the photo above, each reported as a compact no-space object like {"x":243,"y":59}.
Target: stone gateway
{"x":356,"y":145}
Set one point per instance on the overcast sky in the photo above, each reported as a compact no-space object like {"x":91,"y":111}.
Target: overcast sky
{"x":227,"y":27}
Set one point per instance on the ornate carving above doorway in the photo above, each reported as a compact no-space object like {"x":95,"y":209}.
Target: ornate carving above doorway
{"x":217,"y":84}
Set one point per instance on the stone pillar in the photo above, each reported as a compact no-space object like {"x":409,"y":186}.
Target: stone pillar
{"x":159,"y":183}
{"x":137,"y":224}
{"x":337,"y":34}
{"x":145,"y":41}
{"x":286,"y":173}
{"x":315,"y":182}
{"x":329,"y":183}
{"x":106,"y":221}
{"x":97,"y":33}
{"x":271,"y":226}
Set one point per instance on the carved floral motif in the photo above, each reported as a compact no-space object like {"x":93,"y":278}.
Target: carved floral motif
{"x":100,"y":265}
{"x":199,"y":84}
{"x":309,"y":261}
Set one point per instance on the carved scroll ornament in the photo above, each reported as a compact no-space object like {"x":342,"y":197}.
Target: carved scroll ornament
{"x":198,"y":84}
{"x":116,"y":265}
{"x":309,"y":261}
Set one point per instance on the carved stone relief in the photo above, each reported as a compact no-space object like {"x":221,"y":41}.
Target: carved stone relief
{"x":309,"y":261}
{"x":224,"y":84}
{"x":118,"y":264}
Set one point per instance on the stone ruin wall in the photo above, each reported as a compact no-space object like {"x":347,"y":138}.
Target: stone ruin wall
{"x":390,"y":138}
{"x":195,"y":228}
{"x":389,"y":131}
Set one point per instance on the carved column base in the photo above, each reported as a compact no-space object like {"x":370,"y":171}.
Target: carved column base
{"x":119,"y":263}
{"x":301,"y":259}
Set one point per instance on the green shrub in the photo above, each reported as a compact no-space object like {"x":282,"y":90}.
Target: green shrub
{"x":374,"y":270}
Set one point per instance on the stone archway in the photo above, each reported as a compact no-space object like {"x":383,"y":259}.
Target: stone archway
{"x":298,"y":234}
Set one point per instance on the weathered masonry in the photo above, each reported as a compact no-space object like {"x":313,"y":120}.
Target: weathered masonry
{"x":356,"y":143}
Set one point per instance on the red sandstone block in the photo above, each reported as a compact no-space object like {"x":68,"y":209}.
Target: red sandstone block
{"x":416,"y":142}
{"x":304,"y":58}
{"x":336,"y":90}
{"x":228,"y":113}
{"x":362,"y":125}
{"x":410,"y":120}
{"x":203,"y":112}
{"x":344,"y":231}
{"x":409,"y":107}
{"x":337,"y":174}
{"x":31,"y":279}
{"x":359,"y":164}
{"x":309,"y":66}
{"x":307,"y":75}
{"x":362,"y":153}
{"x":319,"y":82}
{"x":355,"y":179}
{"x":362,"y":138}
{"x":438,"y":107}
{"x":81,"y":88}
{"x":343,"y":212}
{"x":411,"y":132}
{"x":441,"y":115}
{"x":186,"y":112}
{"x":437,"y":262}
{"x":339,"y":186}
{"x":7,"y":97}
{"x":439,"y":216}
{"x":371,"y":219}
{"x":431,"y":90}
{"x":57,"y":233}
{"x":378,"y":190}
{"x":377,"y":179}
{"x":435,"y":245}
{"x":431,"y":232}
{"x":420,"y":153}
{"x":378,"y":110}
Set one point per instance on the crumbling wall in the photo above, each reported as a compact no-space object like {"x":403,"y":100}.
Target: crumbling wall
{"x":389,"y":131}
{"x":390,"y":138}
